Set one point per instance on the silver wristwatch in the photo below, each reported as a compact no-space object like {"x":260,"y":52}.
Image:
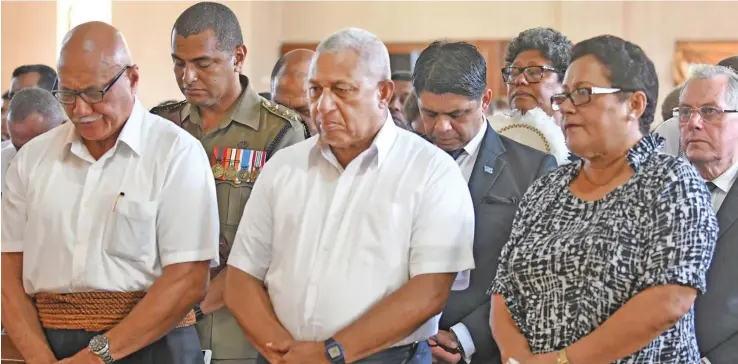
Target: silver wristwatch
{"x":99,"y":346}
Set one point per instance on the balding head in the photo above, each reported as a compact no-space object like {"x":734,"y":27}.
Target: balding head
{"x":289,"y":83}
{"x":32,"y":112}
{"x":94,"y":58}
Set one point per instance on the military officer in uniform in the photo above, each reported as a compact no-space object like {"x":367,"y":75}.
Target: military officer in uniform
{"x":239,"y":129}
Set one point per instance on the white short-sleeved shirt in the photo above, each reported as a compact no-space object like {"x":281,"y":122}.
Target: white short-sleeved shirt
{"x":7,"y":152}
{"x":329,"y":243}
{"x":59,"y":208}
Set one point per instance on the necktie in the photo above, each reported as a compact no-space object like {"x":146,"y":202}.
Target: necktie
{"x":455,"y":154}
{"x":711,"y":186}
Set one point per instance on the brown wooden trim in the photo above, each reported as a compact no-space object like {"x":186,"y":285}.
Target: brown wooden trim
{"x":493,"y":52}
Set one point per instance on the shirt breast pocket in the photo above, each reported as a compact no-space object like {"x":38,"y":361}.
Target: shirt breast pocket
{"x":134,"y":230}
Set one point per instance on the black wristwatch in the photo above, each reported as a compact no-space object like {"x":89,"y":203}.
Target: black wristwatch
{"x":198,"y":312}
{"x":458,"y":346}
{"x":334,"y":351}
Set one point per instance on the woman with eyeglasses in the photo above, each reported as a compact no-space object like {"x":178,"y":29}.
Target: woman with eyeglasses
{"x":534,"y":68}
{"x":606,"y":254}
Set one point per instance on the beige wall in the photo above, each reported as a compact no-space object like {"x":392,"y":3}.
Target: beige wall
{"x":654,"y":25}
{"x":28,"y":36}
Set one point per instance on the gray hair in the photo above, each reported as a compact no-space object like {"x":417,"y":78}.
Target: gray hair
{"x":373,"y":54}
{"x":552,"y":45}
{"x":34,"y":100}
{"x":708,"y":71}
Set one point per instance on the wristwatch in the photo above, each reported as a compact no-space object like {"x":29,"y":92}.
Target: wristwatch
{"x":334,"y":351}
{"x":562,"y":358}
{"x":459,"y":347}
{"x":99,"y":346}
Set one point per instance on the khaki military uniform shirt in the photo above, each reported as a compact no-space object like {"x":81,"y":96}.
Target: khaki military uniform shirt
{"x":255,"y":129}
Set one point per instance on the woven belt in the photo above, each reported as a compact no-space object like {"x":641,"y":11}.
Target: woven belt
{"x":90,"y":311}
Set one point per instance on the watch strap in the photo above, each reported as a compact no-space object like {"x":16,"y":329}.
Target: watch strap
{"x":198,"y":312}
{"x":336,"y":358}
{"x":562,"y":358}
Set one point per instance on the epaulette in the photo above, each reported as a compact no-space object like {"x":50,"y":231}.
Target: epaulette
{"x":168,"y":106}
{"x":281,"y":111}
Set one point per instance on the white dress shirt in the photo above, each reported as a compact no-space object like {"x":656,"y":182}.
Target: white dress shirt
{"x":330,"y":242}
{"x":466,"y":163}
{"x":724,"y":182}
{"x":109,"y":224}
{"x":7,"y":152}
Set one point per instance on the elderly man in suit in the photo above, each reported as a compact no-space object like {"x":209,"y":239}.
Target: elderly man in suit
{"x":450,"y":82}
{"x":708,"y":122}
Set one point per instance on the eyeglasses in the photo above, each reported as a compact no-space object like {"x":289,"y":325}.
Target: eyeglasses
{"x":69,"y":97}
{"x":708,"y":114}
{"x":583,"y":95}
{"x":532,"y":74}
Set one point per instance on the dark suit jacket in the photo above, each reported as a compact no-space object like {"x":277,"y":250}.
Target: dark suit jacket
{"x":716,"y":312}
{"x":514,"y":167}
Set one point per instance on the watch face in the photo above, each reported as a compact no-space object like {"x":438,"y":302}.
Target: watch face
{"x":334,"y":352}
{"x":98,"y":343}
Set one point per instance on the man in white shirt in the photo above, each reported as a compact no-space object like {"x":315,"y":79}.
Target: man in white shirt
{"x":708,"y":120}
{"x":102,"y":255}
{"x":451,"y":83}
{"x":4,"y":134}
{"x":32,"y":112}
{"x":351,"y":240}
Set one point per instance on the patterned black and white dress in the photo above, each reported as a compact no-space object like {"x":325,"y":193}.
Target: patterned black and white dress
{"x":570,"y":264}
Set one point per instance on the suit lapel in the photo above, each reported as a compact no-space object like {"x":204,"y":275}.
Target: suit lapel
{"x":487,"y":167}
{"x":728,"y":213}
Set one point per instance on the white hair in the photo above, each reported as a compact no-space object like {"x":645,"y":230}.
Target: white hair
{"x":709,"y":71}
{"x":373,"y":54}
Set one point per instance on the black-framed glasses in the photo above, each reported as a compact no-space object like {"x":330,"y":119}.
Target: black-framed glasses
{"x":532,"y":74}
{"x":433,"y":342}
{"x":583,"y":95}
{"x":89,"y":96}
{"x":708,"y":114}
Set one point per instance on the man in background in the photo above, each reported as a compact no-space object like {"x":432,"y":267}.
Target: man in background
{"x":239,"y":130}
{"x":710,"y":142}
{"x":450,"y":80}
{"x":669,"y":129}
{"x":5,"y":137}
{"x":403,"y":90}
{"x":33,"y":75}
{"x":289,"y":84}
{"x":32,"y":112}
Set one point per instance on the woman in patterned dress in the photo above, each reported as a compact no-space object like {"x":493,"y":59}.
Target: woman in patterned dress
{"x":607,"y":254}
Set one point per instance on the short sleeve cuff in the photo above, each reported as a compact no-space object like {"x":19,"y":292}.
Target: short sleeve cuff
{"x":12,"y":247}
{"x":500,"y":286}
{"x":245,"y":264}
{"x":680,"y":276}
{"x":440,"y":267}
{"x":188,"y":256}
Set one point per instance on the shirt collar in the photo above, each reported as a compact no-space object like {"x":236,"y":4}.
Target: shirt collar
{"x":130,"y":134}
{"x":247,"y":105}
{"x":725,"y":180}
{"x":473,"y":145}
{"x":380,"y":146}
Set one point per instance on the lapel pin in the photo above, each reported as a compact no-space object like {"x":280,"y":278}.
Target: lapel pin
{"x":488,"y":169}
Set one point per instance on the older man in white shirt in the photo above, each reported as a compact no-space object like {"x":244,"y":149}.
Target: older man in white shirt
{"x":351,"y":240}
{"x":109,"y":223}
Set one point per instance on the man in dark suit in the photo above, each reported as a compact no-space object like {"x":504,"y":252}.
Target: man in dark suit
{"x":450,"y":81}
{"x":709,"y":139}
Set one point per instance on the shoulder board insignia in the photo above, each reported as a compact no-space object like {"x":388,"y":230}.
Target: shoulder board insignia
{"x":281,"y":111}
{"x":168,"y":106}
